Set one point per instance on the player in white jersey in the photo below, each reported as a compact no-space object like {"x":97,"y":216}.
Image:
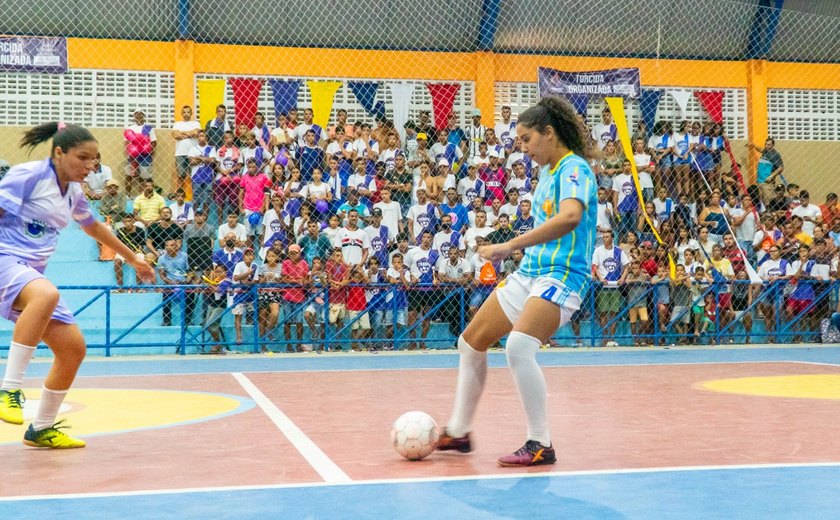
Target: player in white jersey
{"x":532,"y":303}
{"x":37,"y":201}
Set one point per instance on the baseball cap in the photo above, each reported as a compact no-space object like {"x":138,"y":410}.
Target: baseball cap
{"x":423,"y":136}
{"x":295,"y":248}
{"x":476,"y":112}
{"x":247,"y":250}
{"x":111,"y":182}
{"x":199,"y":212}
{"x":377,"y":212}
{"x":647,"y":243}
{"x":442,"y":162}
{"x":493,"y":153}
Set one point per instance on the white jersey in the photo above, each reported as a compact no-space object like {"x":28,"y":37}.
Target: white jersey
{"x":35,"y":211}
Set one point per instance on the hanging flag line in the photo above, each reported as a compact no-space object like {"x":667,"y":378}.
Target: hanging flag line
{"x":616,"y":105}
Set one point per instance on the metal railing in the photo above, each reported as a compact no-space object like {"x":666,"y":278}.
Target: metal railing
{"x":393,"y":317}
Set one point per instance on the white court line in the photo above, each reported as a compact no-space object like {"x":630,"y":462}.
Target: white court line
{"x":316,"y":458}
{"x":425,"y":480}
{"x":816,"y":363}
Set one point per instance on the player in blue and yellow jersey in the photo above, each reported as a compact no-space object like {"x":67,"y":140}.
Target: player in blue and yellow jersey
{"x":532,"y":303}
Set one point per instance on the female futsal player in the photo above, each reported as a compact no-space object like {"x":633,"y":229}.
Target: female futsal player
{"x":545,"y":291}
{"x":37,"y":200}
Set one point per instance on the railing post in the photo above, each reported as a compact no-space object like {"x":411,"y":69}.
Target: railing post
{"x":108,"y":321}
{"x":255,"y":316}
{"x":182,"y":301}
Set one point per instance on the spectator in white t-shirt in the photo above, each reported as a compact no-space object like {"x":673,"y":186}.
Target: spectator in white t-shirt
{"x":94,"y":185}
{"x":810,"y":213}
{"x":184,"y":132}
{"x":392,"y":217}
{"x":480,"y":229}
{"x":233,"y":226}
{"x":354,"y":242}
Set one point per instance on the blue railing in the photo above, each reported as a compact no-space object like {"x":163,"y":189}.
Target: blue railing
{"x":399,"y":316}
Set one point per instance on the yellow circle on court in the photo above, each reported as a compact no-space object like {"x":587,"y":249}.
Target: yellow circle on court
{"x":108,"y":411}
{"x":811,"y":386}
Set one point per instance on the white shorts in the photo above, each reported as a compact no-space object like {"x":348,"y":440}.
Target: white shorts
{"x":515,"y":290}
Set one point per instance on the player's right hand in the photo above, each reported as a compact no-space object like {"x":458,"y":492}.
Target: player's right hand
{"x":144,"y":271}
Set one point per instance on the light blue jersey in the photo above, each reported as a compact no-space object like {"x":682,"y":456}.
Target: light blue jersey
{"x":568,"y":259}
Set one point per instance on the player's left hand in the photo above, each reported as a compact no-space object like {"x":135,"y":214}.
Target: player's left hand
{"x":144,"y":271}
{"x":494,"y":252}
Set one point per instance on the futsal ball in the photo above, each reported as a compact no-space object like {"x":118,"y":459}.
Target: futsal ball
{"x":611,"y":344}
{"x":414,"y":435}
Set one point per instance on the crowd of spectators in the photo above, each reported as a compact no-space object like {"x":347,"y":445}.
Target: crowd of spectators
{"x":374,"y":217}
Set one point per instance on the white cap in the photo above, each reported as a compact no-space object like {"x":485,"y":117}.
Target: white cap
{"x":493,"y":153}
{"x":442,"y":162}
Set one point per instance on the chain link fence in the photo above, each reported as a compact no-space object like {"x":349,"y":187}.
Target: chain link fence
{"x":377,"y":82}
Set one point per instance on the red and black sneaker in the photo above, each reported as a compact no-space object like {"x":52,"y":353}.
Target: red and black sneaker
{"x":447,"y":442}
{"x":532,"y":454}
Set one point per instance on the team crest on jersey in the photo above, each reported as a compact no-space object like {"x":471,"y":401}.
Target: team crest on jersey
{"x":573,"y":177}
{"x":548,"y":208}
{"x":36,"y":228}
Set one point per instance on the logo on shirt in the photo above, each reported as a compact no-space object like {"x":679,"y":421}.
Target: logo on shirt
{"x":610,"y":265}
{"x":548,"y":207}
{"x":376,"y":244}
{"x":627,"y":188}
{"x":573,"y":177}
{"x":423,"y":265}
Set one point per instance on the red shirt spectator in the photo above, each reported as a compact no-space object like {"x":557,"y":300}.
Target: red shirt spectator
{"x":295,"y":271}
{"x":337,"y":272}
{"x":733,"y":253}
{"x":356,"y":299}
{"x":647,"y":261}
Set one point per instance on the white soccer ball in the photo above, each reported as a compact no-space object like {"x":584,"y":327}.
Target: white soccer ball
{"x":414,"y":435}
{"x":611,"y":344}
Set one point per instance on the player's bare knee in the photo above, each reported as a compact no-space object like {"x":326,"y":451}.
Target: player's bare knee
{"x":47,"y":296}
{"x":73,"y":352}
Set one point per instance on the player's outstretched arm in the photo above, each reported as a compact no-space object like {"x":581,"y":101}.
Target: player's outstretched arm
{"x":566,"y":220}
{"x":99,"y":232}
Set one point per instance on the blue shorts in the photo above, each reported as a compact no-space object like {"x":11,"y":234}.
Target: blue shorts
{"x":15,"y":274}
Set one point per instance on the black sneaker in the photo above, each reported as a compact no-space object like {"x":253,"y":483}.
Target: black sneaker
{"x":447,"y":442}
{"x":532,"y":454}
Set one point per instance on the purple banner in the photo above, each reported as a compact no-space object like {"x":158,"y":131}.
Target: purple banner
{"x":624,"y":83}
{"x":33,"y":54}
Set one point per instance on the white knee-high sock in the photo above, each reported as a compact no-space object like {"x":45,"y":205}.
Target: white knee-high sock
{"x":472,"y":373}
{"x":16,"y":365}
{"x":521,"y":352}
{"x":48,"y":408}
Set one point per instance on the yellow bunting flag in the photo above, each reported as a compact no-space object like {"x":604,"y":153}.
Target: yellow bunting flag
{"x":211,"y":93}
{"x":617,"y":108}
{"x":323,"y":94}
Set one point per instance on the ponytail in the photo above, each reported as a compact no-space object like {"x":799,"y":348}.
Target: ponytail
{"x":559,"y":114}
{"x":63,"y":136}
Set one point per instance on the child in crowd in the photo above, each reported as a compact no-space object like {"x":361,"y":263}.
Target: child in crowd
{"x":399,"y":276}
{"x":637,"y":281}
{"x":663,"y":299}
{"x":338,"y":275}
{"x":244,"y":274}
{"x":681,"y":298}
{"x":357,"y":307}
{"x":699,"y":285}
{"x":314,"y":312}
{"x":269,"y":299}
